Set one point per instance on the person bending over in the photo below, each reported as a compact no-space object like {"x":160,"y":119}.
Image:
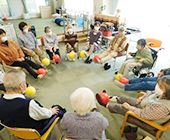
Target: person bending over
{"x":29,"y":44}
{"x":154,"y":106}
{"x":80,"y":124}
{"x":93,"y":41}
{"x":12,"y":55}
{"x":51,"y":44}
{"x":147,"y":83}
{"x":143,"y":56}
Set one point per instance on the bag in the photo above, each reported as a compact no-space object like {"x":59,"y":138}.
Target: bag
{"x":130,"y":132}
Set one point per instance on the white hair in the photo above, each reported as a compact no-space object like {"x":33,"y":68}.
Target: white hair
{"x":13,"y":79}
{"x":122,"y":28}
{"x":82,"y":100}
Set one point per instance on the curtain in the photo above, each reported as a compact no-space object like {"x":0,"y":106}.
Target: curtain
{"x":10,"y":9}
{"x":25,"y":5}
{"x":115,"y":3}
{"x":4,"y":10}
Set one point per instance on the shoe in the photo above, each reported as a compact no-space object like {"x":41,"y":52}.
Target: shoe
{"x":100,"y":101}
{"x":87,"y":59}
{"x":119,"y":84}
{"x":107,"y":67}
{"x":116,"y":72}
{"x":105,"y":64}
{"x":39,"y":77}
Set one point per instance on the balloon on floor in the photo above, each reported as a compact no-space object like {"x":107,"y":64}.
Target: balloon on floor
{"x":124,"y":80}
{"x":104,"y":97}
{"x":41,"y":71}
{"x":83,"y":54}
{"x":30,"y":90}
{"x":46,"y":61}
{"x":97,"y":57}
{"x":56,"y":57}
{"x":72,"y":55}
{"x":118,"y":76}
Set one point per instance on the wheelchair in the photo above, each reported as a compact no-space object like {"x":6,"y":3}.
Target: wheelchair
{"x":144,"y":70}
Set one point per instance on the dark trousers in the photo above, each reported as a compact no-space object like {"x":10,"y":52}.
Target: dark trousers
{"x":27,"y":64}
{"x":51,"y":53}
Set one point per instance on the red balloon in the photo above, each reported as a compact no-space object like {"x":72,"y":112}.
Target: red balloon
{"x":124,"y":80}
{"x":5,"y":19}
{"x":104,"y":97}
{"x":56,"y":57}
{"x":95,"y":58}
{"x":41,"y":71}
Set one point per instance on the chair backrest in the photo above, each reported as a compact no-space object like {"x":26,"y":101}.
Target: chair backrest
{"x":127,"y":46}
{"x":154,"y":43}
{"x":24,"y":133}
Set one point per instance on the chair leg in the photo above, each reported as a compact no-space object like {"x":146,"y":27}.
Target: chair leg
{"x":158,"y":134}
{"x":122,"y":129}
{"x":114,"y":64}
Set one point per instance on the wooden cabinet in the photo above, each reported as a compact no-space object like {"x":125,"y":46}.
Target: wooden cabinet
{"x":45,"y":11}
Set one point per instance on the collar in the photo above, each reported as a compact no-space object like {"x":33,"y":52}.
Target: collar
{"x":5,"y":43}
{"x":13,"y":96}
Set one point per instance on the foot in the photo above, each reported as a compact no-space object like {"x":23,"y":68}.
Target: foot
{"x":39,"y":77}
{"x":116,"y":72}
{"x":100,"y":101}
{"x":113,"y":99}
{"x":107,"y":67}
{"x":59,"y":61}
{"x":54,"y":62}
{"x":104,"y":91}
{"x":119,"y":84}
{"x":87,"y":59}
{"x":48,"y":70}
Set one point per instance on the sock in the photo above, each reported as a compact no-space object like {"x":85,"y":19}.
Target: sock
{"x":100,"y":101}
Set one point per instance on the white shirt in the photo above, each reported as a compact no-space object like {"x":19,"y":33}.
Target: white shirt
{"x":35,"y":111}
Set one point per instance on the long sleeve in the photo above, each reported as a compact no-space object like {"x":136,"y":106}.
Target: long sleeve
{"x":111,"y":43}
{"x":46,"y":44}
{"x":147,"y":57}
{"x":21,"y":43}
{"x":99,"y":40}
{"x":154,"y":112}
{"x":37,"y":112}
{"x":122,"y":47}
{"x":20,"y":52}
{"x":56,"y":41}
{"x":35,"y":40}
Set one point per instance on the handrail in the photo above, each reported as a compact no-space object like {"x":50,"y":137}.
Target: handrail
{"x":88,"y":22}
{"x":64,"y":23}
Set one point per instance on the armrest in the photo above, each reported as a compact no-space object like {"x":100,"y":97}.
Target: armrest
{"x":140,"y":93}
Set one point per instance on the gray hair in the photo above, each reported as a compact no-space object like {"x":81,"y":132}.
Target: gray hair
{"x":122,"y":28}
{"x":141,"y":42}
{"x":82,"y":100}
{"x":13,"y":79}
{"x":46,"y":29}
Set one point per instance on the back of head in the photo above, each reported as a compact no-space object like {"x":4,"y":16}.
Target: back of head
{"x":46,"y":29}
{"x":82,"y":100}
{"x":2,"y":31}
{"x":13,"y":79}
{"x":141,"y":42}
{"x":121,"y":28}
{"x":21,"y":25}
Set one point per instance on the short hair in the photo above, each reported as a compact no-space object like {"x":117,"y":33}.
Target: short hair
{"x":141,"y":42}
{"x":82,"y":100}
{"x":46,"y":29}
{"x":22,"y":25}
{"x":2,"y":32}
{"x":121,"y":28}
{"x":165,"y":81}
{"x":13,"y":79}
{"x":97,"y":23}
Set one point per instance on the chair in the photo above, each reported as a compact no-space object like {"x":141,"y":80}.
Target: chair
{"x":122,"y":53}
{"x":4,"y":66}
{"x":154,"y":43}
{"x":153,"y":128}
{"x":30,"y":134}
{"x":73,"y":139}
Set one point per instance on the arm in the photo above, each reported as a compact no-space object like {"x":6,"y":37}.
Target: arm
{"x":46,"y":44}
{"x":21,"y":43}
{"x":88,"y":38}
{"x":63,"y":122}
{"x":147,"y":58}
{"x":122,"y":47}
{"x":154,"y":112}
{"x":56,"y":41}
{"x":35,"y":40}
{"x":99,"y":40}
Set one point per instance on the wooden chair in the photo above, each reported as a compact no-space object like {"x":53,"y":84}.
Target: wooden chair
{"x":154,"y":128}
{"x":120,"y":54}
{"x":5,"y":66}
{"x":30,"y":134}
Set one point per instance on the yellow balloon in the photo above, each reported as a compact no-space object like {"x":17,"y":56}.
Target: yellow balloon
{"x":46,"y":61}
{"x":30,"y":90}
{"x":83,"y":54}
{"x":72,"y":55}
{"x":118,"y":76}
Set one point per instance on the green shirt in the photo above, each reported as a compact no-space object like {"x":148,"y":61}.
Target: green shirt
{"x":146,"y":54}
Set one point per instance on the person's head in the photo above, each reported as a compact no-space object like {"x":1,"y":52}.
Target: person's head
{"x":163,"y":87}
{"x":141,"y":44}
{"x":96,"y":26}
{"x":23,"y":27}
{"x":47,"y":30}
{"x":82,"y":100}
{"x":3,"y":37}
{"x":15,"y":81}
{"x":70,"y":28}
{"x":121,"y":30}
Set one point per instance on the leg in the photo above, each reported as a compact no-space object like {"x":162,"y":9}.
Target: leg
{"x":145,"y":85}
{"x":50,"y":54}
{"x":35,"y":57}
{"x":146,"y":79}
{"x":25,"y":65}
{"x":104,"y":54}
{"x":32,"y":64}
{"x":91,"y":50}
{"x":57,"y":52}
{"x":109,"y":56}
{"x":68,"y":48}
{"x":75,"y":47}
{"x":39,"y":53}
{"x":121,"y":70}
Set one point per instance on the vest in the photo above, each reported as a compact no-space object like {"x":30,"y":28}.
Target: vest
{"x":112,"y":43}
{"x":154,"y":99}
{"x":15,"y":113}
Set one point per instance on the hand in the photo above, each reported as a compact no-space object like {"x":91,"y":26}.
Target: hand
{"x":108,"y":50}
{"x":19,"y":59}
{"x":50,"y":49}
{"x":138,"y":101}
{"x":160,"y":74}
{"x":141,"y":60}
{"x":54,"y":110}
{"x":126,"y":105}
{"x":88,"y":45}
{"x":37,"y":48}
{"x":54,"y":49}
{"x":29,"y":51}
{"x":22,"y":58}
{"x":130,"y":53}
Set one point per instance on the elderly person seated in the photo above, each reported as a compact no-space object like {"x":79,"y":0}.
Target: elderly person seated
{"x":51,"y":44}
{"x":147,"y":83}
{"x":154,"y":106}
{"x":93,"y":41}
{"x":12,"y":55}
{"x":71,"y":42}
{"x":29,"y":44}
{"x":82,"y":123}
{"x":117,"y":45}
{"x":143,"y":56}
{"x":16,"y":111}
